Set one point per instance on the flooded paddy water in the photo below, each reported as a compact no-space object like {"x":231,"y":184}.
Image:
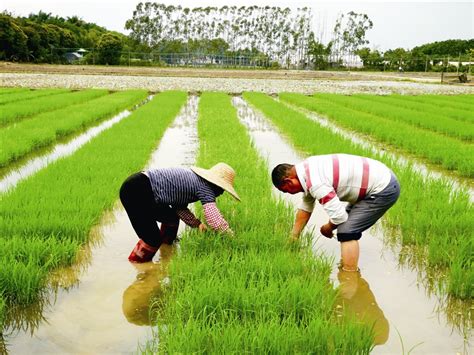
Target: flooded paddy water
{"x":406,"y":316}
{"x":102,"y":304}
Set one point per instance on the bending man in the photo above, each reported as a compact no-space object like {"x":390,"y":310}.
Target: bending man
{"x":164,"y":194}
{"x":369,"y":187}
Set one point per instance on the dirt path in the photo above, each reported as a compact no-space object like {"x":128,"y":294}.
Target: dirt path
{"x":229,"y":81}
{"x":6,"y":67}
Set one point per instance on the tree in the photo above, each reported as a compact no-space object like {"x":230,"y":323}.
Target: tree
{"x":318,"y":53}
{"x":370,"y":59}
{"x":13,"y":41}
{"x":109,"y":49}
{"x":349,"y":33}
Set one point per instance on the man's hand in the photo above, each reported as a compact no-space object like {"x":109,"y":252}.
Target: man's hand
{"x":202,"y":227}
{"x":293,"y":239}
{"x":326,"y":229}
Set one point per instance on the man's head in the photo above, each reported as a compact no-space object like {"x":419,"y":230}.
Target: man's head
{"x":285,"y":179}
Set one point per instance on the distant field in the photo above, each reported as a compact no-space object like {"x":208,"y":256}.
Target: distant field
{"x":216,"y":73}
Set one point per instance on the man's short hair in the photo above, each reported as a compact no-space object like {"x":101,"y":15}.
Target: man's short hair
{"x":279,"y":173}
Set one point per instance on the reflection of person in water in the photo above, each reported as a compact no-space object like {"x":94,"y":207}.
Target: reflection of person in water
{"x":138,"y":297}
{"x":358,"y":300}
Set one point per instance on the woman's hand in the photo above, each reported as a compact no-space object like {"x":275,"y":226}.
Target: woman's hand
{"x":202,"y":227}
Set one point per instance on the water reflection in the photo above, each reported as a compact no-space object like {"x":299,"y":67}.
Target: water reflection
{"x":141,"y":298}
{"x":357,"y":300}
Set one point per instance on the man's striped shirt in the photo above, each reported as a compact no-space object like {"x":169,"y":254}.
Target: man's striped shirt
{"x":331,"y":179}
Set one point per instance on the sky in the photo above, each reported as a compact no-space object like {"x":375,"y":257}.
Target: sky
{"x":402,"y":23}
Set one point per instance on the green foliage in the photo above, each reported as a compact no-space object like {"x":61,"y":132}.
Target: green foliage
{"x":13,"y":41}
{"x":371,"y":59}
{"x":452,"y":47}
{"x":109,"y":49}
{"x":280,"y":33}
{"x":349,"y":32}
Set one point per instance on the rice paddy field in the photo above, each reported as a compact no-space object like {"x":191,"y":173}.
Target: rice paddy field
{"x":64,"y":272}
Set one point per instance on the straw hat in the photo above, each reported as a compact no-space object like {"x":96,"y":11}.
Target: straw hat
{"x":221,"y":175}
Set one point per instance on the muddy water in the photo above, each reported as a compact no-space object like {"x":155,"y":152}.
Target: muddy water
{"x":384,"y":292}
{"x":104,"y":307}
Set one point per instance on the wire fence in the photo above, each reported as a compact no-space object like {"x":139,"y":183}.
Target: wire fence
{"x":452,"y":64}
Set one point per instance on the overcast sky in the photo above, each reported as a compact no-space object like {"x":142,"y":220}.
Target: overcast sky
{"x":400,"y":23}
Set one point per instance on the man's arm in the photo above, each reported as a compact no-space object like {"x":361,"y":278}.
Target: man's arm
{"x":302,"y":218}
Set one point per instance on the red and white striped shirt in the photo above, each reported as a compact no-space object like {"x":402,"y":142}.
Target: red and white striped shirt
{"x":334,"y":178}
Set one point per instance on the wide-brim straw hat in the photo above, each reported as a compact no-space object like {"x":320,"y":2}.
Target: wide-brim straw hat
{"x":221,"y":175}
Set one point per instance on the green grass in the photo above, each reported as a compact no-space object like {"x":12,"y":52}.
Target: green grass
{"x":45,"y":129}
{"x":26,"y":95}
{"x":461,"y":102}
{"x":250,"y":293}
{"x":426,"y":105}
{"x":450,"y":153}
{"x":428,"y":214}
{"x":414,"y":114}
{"x":7,"y":91}
{"x":15,"y":111}
{"x":47,"y":218}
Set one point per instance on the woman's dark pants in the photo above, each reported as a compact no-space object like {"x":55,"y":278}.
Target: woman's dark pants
{"x":137,"y":199}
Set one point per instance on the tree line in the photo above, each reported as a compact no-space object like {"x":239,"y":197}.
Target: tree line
{"x":175,"y":35}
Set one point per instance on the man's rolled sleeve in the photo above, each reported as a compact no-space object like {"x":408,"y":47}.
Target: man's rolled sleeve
{"x":328,"y":198}
{"x":307,"y":203}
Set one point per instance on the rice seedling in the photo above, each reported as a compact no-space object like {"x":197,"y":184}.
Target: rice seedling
{"x":6,"y":91}
{"x":415,"y":103}
{"x":400,"y":110}
{"x":250,"y":293}
{"x":26,"y":95}
{"x":44,"y":129}
{"x":15,"y":111}
{"x":450,"y":153}
{"x":465,"y":102}
{"x":47,"y":218}
{"x":419,"y":216}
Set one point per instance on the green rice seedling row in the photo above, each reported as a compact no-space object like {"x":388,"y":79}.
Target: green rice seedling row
{"x":26,"y":95}
{"x":458,"y":102}
{"x":417,"y":117}
{"x":44,"y":129}
{"x":438,"y":114}
{"x":47,"y":218}
{"x":6,"y":91}
{"x":15,"y":111}
{"x":450,"y":153}
{"x":419,"y":217}
{"x":251,"y":292}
